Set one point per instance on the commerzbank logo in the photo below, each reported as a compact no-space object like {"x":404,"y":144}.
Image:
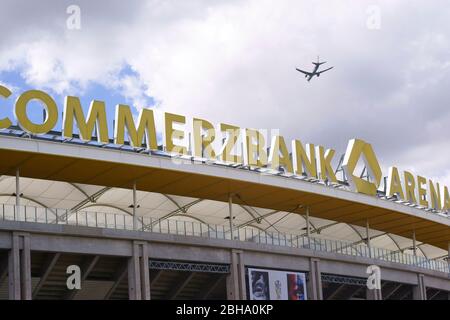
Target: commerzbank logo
{"x":358,"y":149}
{"x":223,"y":143}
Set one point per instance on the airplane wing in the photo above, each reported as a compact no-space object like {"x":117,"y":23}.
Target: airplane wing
{"x":304,"y":72}
{"x":324,"y":70}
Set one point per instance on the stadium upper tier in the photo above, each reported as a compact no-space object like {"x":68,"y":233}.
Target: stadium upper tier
{"x":78,"y":176}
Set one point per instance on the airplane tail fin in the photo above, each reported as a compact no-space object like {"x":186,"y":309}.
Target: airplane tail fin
{"x":318,"y":63}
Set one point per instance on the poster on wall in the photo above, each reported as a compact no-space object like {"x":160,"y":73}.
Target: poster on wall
{"x":266,"y":284}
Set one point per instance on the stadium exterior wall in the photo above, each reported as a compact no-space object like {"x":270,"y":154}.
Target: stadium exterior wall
{"x":96,"y":241}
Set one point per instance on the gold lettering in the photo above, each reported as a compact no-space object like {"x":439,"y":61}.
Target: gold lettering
{"x":254,"y":153}
{"x":171,"y":134}
{"x":435,"y":195}
{"x":5,"y":122}
{"x":49,"y":104}
{"x":203,"y":142}
{"x":356,"y":150}
{"x":232,"y":137}
{"x":279,"y":155}
{"x":394,"y":184}
{"x":445,"y":199}
{"x":410,"y":186}
{"x":421,"y":191}
{"x":144,"y":133}
{"x":96,"y":115}
{"x":324,"y":164}
{"x":304,"y":161}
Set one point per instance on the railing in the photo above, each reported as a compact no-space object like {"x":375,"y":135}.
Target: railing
{"x":198,"y":229}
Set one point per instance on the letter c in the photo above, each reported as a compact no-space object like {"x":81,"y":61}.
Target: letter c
{"x":5,"y":122}
{"x":21,"y":112}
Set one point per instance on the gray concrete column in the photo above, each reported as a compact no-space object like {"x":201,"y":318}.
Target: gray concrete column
{"x":314,"y":280}
{"x":145,"y":272}
{"x":19,"y":267}
{"x":236,"y":287}
{"x":25,"y":268}
{"x":14,"y":270}
{"x":420,"y":291}
{"x":139,"y":272}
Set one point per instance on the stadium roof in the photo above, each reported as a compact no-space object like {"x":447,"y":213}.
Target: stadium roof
{"x":64,"y":195}
{"x":168,"y":186}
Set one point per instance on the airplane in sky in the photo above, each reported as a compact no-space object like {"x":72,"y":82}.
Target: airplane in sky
{"x":313,"y":73}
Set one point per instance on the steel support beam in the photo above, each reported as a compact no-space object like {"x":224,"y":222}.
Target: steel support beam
{"x":434,"y":295}
{"x":135,"y":221}
{"x":406,"y":294}
{"x":182,"y":209}
{"x":18,"y":211}
{"x":155,"y":278}
{"x":394,"y":290}
{"x":336,"y":292}
{"x":46,"y":270}
{"x":261,"y":217}
{"x":230,"y":216}
{"x":308,"y":229}
{"x":181,"y":285}
{"x":356,"y":291}
{"x":118,"y":278}
{"x":3,"y":270}
{"x":213,"y":285}
{"x":90,"y":199}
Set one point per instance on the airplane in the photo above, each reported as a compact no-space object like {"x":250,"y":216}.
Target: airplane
{"x":310,"y":75}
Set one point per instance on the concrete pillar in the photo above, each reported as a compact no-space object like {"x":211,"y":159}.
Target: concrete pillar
{"x":139,"y":272}
{"x":25,"y":269}
{"x":19,"y":267}
{"x":14,"y":270}
{"x":236,"y":286}
{"x":414,"y":243}
{"x":145,"y":272}
{"x":18,"y":211}
{"x":314,"y":280}
{"x":420,"y":291}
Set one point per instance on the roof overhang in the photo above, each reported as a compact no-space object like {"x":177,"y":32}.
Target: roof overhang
{"x":86,"y":164}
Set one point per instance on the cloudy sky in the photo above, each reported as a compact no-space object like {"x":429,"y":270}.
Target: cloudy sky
{"x":234,"y":61}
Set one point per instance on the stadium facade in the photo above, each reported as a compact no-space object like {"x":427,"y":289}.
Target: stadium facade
{"x":204,"y":219}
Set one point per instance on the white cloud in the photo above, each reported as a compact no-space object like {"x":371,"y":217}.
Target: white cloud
{"x":234,"y":61}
